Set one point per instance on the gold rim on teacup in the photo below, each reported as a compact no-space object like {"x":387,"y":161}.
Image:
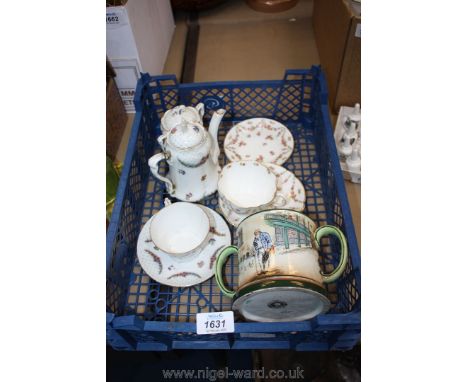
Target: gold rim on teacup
{"x":181,"y":230}
{"x":246,"y":187}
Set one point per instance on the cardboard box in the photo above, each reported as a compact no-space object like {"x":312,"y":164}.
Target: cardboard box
{"x":139,"y":34}
{"x":127,"y":74}
{"x":337,"y":27}
{"x":116,"y":118}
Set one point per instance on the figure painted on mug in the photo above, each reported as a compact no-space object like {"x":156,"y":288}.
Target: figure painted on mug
{"x":263,"y":248}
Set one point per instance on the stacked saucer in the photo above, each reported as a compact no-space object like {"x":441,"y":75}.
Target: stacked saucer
{"x":266,"y":143}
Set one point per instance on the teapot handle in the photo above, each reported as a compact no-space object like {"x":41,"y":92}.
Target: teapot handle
{"x":153,"y":163}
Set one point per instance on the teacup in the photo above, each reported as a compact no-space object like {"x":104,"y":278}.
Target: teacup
{"x":246,"y":187}
{"x":181,"y":114}
{"x":181,"y":230}
{"x":279,"y":272}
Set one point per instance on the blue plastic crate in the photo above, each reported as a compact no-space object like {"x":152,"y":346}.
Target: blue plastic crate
{"x":145,"y":315}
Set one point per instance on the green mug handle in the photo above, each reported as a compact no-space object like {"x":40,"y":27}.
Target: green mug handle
{"x":220,"y":261}
{"x":334,"y":231}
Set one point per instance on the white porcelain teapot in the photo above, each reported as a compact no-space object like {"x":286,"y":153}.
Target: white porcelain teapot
{"x":192,"y":153}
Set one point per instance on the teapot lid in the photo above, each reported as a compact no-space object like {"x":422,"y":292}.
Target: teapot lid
{"x":186,"y":135}
{"x":179,"y":114}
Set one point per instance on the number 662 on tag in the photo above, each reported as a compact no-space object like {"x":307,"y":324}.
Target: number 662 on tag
{"x":215,"y":322}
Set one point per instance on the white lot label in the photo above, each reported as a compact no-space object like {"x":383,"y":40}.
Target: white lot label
{"x":116,"y":17}
{"x":215,"y":322}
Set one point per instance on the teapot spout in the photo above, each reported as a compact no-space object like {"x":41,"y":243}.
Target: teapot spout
{"x":213,"y":130}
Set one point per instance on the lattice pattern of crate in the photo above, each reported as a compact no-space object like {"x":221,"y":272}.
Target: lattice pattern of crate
{"x":298,"y":101}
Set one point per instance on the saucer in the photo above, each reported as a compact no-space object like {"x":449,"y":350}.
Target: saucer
{"x":166,"y":270}
{"x":290,"y":185}
{"x":286,"y":182}
{"x":260,"y":139}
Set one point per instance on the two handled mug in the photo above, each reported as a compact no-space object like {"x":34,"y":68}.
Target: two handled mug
{"x":279,"y":273}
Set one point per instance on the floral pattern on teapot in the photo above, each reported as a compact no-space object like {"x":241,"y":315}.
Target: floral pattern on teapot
{"x":192,"y":153}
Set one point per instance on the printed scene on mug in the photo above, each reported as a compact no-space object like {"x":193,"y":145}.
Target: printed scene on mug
{"x":270,"y":243}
